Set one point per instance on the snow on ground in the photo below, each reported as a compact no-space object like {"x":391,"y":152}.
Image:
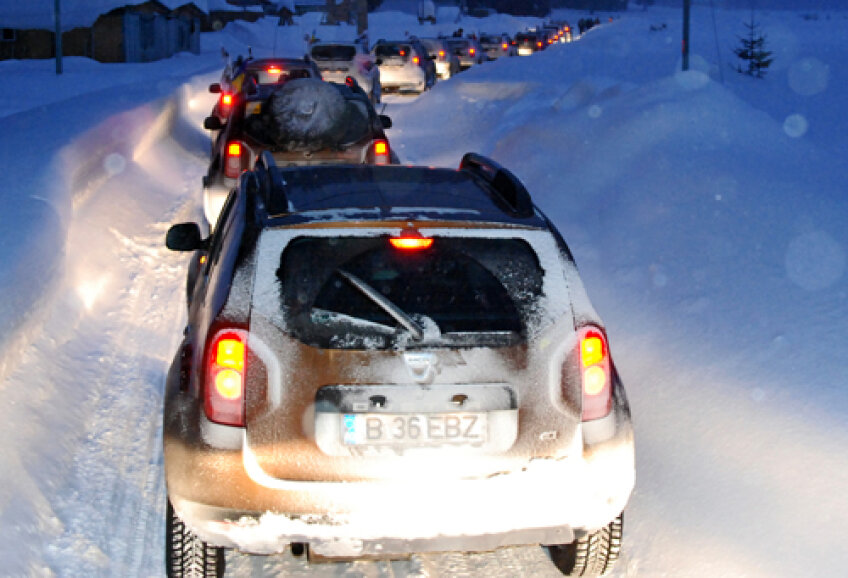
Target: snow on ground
{"x":705,"y":209}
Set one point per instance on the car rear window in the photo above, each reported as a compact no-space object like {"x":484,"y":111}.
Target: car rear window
{"x":334,"y":52}
{"x":462,"y":291}
{"x":392,"y":51}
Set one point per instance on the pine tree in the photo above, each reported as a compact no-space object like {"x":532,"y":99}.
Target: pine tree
{"x":755,"y":58}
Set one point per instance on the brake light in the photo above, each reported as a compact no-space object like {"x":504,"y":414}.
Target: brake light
{"x":411,"y":240}
{"x":504,"y":45}
{"x":471,"y":51}
{"x":415,"y":60}
{"x":226,"y":363}
{"x":235,"y":160}
{"x":595,"y":373}
{"x":403,"y":52}
{"x":226,"y":99}
{"x":381,"y":152}
{"x":350,"y":81}
{"x":274,"y":70}
{"x":441,"y":54}
{"x":539,"y":44}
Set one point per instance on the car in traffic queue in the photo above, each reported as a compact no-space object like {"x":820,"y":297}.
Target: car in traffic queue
{"x":447,"y":63}
{"x":497,"y":45}
{"x":405,"y":65}
{"x":468,"y":50}
{"x":301,"y":122}
{"x":261,"y":72}
{"x":339,"y":60}
{"x":385,"y":360}
{"x":529,"y":42}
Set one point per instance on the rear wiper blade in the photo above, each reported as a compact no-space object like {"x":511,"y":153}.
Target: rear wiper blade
{"x":415,"y":330}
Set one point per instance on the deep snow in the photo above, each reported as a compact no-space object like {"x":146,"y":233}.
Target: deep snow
{"x":706,"y":211}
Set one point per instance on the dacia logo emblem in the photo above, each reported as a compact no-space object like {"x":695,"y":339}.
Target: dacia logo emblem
{"x":423,"y":367}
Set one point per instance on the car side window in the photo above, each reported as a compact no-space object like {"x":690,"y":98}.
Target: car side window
{"x":218,"y":232}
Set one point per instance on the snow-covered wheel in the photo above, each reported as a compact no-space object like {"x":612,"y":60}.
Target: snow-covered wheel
{"x":186,"y":555}
{"x":592,"y":555}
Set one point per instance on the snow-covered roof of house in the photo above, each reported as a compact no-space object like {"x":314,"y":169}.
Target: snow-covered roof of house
{"x":78,"y":13}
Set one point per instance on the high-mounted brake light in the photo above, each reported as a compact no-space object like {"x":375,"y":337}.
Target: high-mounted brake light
{"x":225,"y":367}
{"x":595,"y":373}
{"x":411,"y":240}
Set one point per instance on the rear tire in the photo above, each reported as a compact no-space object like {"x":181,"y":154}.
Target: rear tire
{"x":592,"y":555}
{"x":186,"y":555}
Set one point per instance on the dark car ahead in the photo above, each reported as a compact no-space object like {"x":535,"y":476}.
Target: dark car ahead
{"x":527,"y":43}
{"x":302,"y":122}
{"x":381,"y":360}
{"x":258,"y":72}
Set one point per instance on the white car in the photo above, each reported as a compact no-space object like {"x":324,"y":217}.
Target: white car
{"x":404,"y":65}
{"x":447,"y":63}
{"x":339,"y":60}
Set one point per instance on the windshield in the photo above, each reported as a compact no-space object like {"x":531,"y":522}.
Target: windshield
{"x":461,"y":291}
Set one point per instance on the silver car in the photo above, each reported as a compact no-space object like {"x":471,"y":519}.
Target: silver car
{"x":383,"y":360}
{"x":468,"y":50}
{"x":447,"y":63}
{"x":404,"y":65}
{"x":339,"y":60}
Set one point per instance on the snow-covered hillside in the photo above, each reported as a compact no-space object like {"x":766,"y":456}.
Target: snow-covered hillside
{"x":706,"y":211}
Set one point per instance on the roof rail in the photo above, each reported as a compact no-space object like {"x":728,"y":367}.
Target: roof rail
{"x":505,"y":185}
{"x":272,"y":194}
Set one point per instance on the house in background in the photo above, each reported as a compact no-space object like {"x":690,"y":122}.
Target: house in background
{"x":140,"y":32}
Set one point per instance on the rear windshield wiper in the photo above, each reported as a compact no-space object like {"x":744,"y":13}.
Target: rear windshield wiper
{"x":415,"y":330}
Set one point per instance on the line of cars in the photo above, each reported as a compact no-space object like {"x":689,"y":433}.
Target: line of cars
{"x":381,"y":360}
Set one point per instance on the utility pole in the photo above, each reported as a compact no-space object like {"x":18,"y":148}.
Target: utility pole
{"x":57,"y":20}
{"x":686,"y":10}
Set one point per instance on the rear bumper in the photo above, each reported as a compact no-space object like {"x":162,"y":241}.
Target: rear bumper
{"x":229,"y":501}
{"x":406,"y":78}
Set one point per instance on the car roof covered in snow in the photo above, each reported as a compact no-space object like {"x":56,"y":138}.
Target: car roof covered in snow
{"x":300,"y":195}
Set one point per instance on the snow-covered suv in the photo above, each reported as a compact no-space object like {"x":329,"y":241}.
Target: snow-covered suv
{"x":388,"y":359}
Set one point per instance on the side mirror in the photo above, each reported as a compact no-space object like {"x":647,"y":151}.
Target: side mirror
{"x":215,"y":88}
{"x":386,"y":121}
{"x":212,"y":123}
{"x":184,"y":237}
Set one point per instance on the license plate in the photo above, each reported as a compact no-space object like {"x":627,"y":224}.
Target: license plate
{"x":413,"y":429}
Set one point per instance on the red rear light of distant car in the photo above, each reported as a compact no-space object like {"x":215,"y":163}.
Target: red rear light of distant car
{"x":471,"y":51}
{"x":381,"y":152}
{"x":226,"y":99}
{"x":274,"y":70}
{"x":415,"y":60}
{"x":410,"y":240}
{"x":504,"y":45}
{"x":595,"y":377}
{"x":235,"y":159}
{"x":539,"y":44}
{"x":403,"y":52}
{"x":441,"y":54}
{"x":226,"y":365}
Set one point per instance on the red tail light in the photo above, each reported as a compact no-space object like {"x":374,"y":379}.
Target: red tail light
{"x":403,"y":52}
{"x":274,"y":70}
{"x":236,"y":159}
{"x":441,"y":54}
{"x":471,"y":51}
{"x":504,"y":45}
{"x":415,"y":60}
{"x":226,"y":99}
{"x":225,"y":370}
{"x":539,"y":44}
{"x":595,"y":374}
{"x":381,"y":152}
